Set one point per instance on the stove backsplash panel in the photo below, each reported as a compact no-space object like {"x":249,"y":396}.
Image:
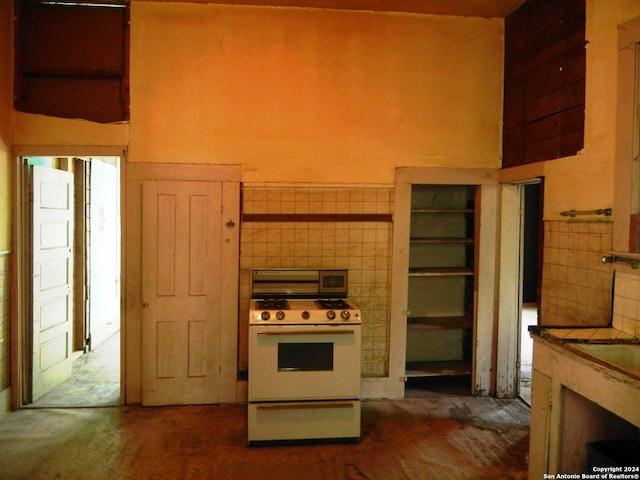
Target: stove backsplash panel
{"x":364,"y":248}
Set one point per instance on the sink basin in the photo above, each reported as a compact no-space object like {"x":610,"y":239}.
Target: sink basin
{"x":623,"y":357}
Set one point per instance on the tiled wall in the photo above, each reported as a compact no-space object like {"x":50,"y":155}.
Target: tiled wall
{"x":4,"y":322}
{"x":576,"y":285}
{"x":364,"y":248}
{"x":626,"y":301}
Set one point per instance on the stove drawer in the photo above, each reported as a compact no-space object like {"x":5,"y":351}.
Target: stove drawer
{"x":304,"y":362}
{"x":304,"y":421}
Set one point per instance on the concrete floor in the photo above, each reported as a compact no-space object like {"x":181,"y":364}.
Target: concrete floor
{"x":529,"y":317}
{"x":94,"y":382}
{"x":439,"y":436}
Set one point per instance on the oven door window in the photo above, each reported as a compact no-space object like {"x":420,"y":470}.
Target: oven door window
{"x":305,"y":357}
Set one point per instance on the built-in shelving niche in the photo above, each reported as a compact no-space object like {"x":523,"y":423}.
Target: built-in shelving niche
{"x":441,"y":281}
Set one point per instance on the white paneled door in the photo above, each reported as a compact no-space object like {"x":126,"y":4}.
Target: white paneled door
{"x":52,"y":255}
{"x":181,"y":292}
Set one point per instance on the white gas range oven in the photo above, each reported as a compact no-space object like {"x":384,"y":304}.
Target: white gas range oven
{"x":304,"y":357}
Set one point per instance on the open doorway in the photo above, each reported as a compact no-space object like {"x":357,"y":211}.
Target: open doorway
{"x":530,"y":279}
{"x":71,"y":340}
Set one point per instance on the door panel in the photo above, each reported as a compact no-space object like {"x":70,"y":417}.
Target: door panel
{"x":182,"y":251}
{"x":52,"y":254}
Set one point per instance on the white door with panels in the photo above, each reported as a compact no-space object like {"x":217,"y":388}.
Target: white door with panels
{"x":181,"y":292}
{"x":52,"y":263}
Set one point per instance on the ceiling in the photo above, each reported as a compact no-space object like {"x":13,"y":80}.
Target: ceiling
{"x":470,"y":8}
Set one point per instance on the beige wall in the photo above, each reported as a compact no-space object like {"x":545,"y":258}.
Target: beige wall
{"x":6,"y":116}
{"x":430,"y":96}
{"x":315,"y":99}
{"x":302,"y":95}
{"x":38,"y":130}
{"x":328,"y":98}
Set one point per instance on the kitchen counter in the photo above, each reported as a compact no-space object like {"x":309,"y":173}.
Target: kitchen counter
{"x":586,"y":387}
{"x":606,"y":335}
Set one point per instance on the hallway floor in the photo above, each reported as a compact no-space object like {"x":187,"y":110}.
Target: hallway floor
{"x":529,"y":318}
{"x":94,"y":381}
{"x":435,"y":437}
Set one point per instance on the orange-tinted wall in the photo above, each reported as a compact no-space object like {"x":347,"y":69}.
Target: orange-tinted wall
{"x":6,"y":116}
{"x":303,"y":95}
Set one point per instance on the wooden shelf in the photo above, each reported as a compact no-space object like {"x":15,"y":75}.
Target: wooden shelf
{"x":461,"y":322}
{"x":437,"y":369}
{"x":441,"y":267}
{"x":440,"y":272}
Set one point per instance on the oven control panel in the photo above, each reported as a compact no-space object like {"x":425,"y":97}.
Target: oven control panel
{"x":303,"y":312}
{"x":301,"y":296}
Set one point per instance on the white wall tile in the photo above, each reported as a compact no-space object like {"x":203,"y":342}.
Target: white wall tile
{"x":362,"y":247}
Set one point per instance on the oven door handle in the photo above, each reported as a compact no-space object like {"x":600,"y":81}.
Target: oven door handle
{"x":304,"y":406}
{"x":308,"y":332}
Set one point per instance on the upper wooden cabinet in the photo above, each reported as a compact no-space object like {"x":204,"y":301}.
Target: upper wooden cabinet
{"x":544,"y":81}
{"x":72,"y":60}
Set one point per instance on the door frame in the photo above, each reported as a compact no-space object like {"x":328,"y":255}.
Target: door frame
{"x":487,"y":180}
{"x":81,"y":252}
{"x":20,"y":349}
{"x":510,"y":291}
{"x":231,"y":389}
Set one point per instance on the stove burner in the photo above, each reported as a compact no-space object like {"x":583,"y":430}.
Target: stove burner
{"x":273,"y":304}
{"x":332,"y":304}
